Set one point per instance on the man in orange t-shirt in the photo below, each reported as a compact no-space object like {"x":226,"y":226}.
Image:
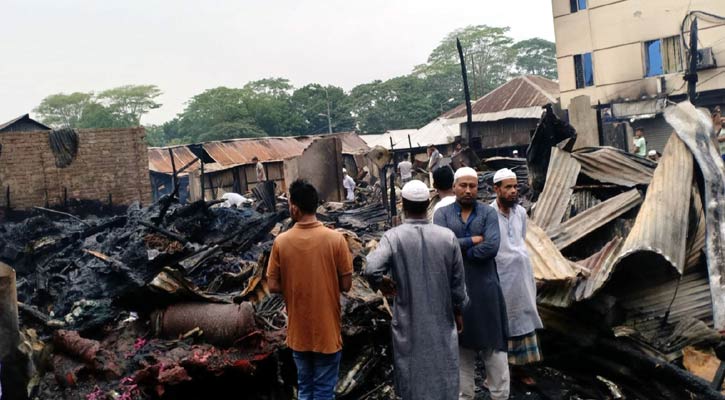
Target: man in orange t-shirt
{"x":310,"y":264}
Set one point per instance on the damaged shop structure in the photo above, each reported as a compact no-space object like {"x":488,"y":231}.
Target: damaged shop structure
{"x":218,"y":167}
{"x":627,"y":255}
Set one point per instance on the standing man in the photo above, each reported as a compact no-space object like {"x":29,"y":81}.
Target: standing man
{"x":434,"y":158}
{"x":486,"y":326}
{"x":259,"y":168}
{"x":640,"y":144}
{"x":443,"y":182}
{"x":515,"y":271}
{"x":349,"y":184}
{"x":424,"y":261}
{"x":310,"y":265}
{"x":405,"y":168}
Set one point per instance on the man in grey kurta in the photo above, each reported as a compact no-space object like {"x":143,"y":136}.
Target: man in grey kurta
{"x":486,"y":327}
{"x":426,"y":267}
{"x":515,"y":271}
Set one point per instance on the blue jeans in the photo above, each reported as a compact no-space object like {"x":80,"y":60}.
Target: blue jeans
{"x":316,"y":374}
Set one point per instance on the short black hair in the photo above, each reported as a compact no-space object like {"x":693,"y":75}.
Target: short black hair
{"x":639,"y":129}
{"x":255,"y":158}
{"x":415,"y":207}
{"x":304,"y":196}
{"x":443,"y":178}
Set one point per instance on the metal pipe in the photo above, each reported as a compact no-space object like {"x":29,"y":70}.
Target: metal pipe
{"x":9,"y":333}
{"x":220,"y":324}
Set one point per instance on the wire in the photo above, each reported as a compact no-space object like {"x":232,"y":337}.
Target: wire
{"x":702,"y":14}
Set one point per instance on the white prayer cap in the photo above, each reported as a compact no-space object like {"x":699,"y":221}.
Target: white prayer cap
{"x":465,"y":171}
{"x":344,"y":170}
{"x":503,"y":174}
{"x":416,"y":190}
{"x":652,"y":153}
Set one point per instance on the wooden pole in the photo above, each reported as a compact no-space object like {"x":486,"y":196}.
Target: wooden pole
{"x":469,"y":115}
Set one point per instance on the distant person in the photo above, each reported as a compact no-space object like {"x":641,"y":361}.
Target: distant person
{"x":515,"y":154}
{"x":457,"y":150}
{"x":349,"y":184}
{"x":310,"y":265}
{"x":719,"y":130}
{"x":405,"y":168}
{"x":640,"y":144}
{"x":434,"y":158}
{"x":653,"y":155}
{"x":259,"y":168}
{"x":516,"y":274}
{"x":425,"y":269}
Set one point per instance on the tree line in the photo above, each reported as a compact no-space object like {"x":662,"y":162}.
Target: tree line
{"x":274,"y":107}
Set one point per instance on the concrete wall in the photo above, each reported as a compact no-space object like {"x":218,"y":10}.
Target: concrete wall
{"x":614,"y":31}
{"x":110,"y":161}
{"x":321,"y":164}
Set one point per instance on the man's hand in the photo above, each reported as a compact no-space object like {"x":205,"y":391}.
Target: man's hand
{"x":459,"y":322}
{"x":477,"y":239}
{"x":387,"y":287}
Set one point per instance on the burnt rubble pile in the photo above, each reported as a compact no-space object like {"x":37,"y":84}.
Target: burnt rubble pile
{"x":626,"y":253}
{"x":170,"y":301}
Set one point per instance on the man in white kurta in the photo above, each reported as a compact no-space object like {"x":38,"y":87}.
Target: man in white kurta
{"x":349,"y":184}
{"x":515,"y":271}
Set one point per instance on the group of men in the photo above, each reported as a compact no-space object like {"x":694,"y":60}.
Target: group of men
{"x":461,"y":286}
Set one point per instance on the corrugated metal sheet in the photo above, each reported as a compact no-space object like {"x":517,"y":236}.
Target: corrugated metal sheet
{"x":546,"y":259}
{"x":560,"y":180}
{"x":645,"y":308}
{"x":522,"y":92}
{"x":581,"y":201}
{"x":24,"y":120}
{"x":514,"y":113}
{"x":693,"y":127}
{"x":586,"y":222}
{"x":660,"y":230}
{"x":400,"y":139}
{"x":599,"y":267}
{"x":160,"y":161}
{"x":241,"y":151}
{"x":352,"y":143}
{"x":696,"y":239}
{"x":610,"y":165}
{"x":440,"y":131}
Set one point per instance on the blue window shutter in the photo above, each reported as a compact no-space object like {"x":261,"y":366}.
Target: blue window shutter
{"x":588,"y":69}
{"x":653,"y":58}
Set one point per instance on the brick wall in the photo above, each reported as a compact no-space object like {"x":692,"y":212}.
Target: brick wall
{"x":109,"y":161}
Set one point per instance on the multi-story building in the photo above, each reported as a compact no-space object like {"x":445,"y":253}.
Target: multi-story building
{"x":629,"y":57}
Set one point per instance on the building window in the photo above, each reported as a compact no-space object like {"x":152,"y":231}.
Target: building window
{"x":663,"y":56}
{"x":577,"y":5}
{"x":584,"y":70}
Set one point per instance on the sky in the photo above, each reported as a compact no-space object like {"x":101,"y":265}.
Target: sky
{"x":185,"y":47}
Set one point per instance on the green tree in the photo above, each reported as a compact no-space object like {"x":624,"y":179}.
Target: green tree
{"x":130,"y":102}
{"x":97,"y":115}
{"x":536,"y":56}
{"x":63,"y":110}
{"x":311,"y":102}
{"x":489,"y":59}
{"x":405,"y":102}
{"x":269,"y":104}
{"x":155,"y":135}
{"x":207,"y":109}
